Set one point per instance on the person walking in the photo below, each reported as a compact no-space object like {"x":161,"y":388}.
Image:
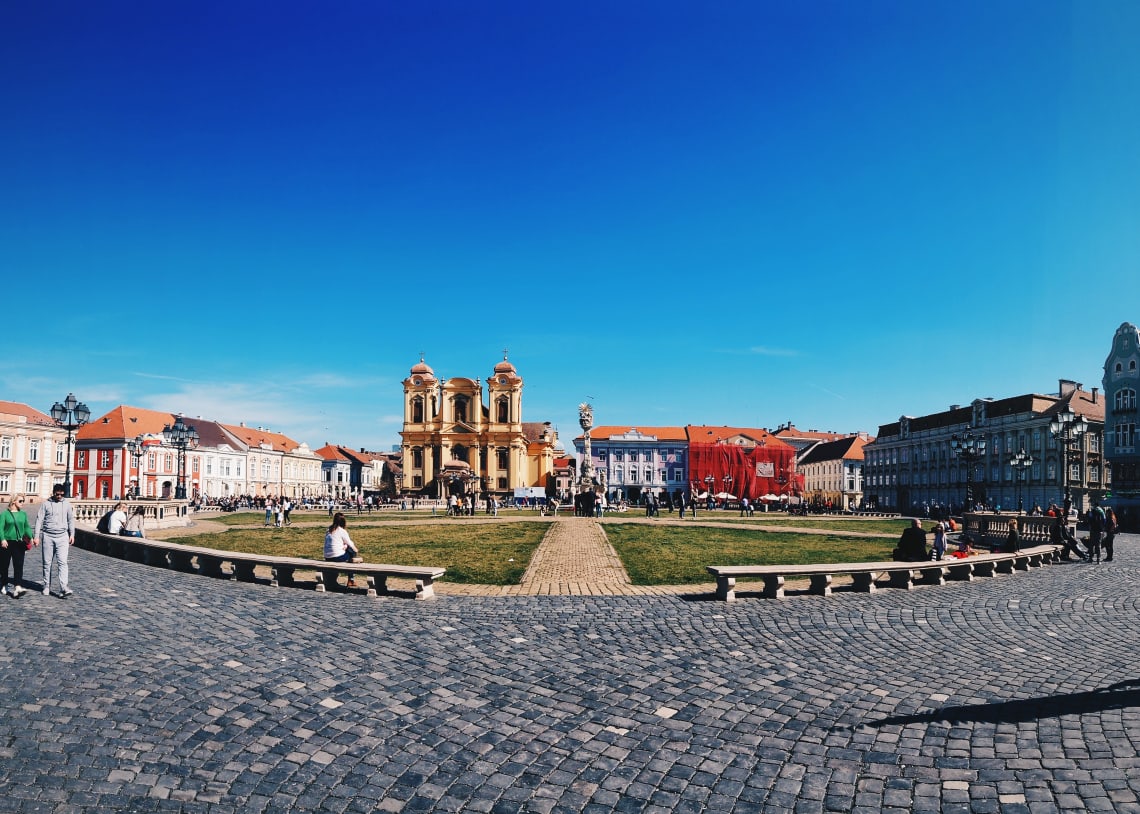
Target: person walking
{"x":1109,"y":532}
{"x":1096,"y":532}
{"x":15,"y":539}
{"x":55,"y":532}
{"x":339,"y":546}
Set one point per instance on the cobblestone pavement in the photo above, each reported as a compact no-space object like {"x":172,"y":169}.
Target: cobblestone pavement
{"x":153,"y":690}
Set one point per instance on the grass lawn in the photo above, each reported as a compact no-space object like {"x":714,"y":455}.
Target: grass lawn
{"x":866,"y":525}
{"x":669,"y":555}
{"x":485,"y":554}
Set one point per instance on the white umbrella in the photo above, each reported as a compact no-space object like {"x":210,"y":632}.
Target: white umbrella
{"x":725,"y":496}
{"x":769,"y":496}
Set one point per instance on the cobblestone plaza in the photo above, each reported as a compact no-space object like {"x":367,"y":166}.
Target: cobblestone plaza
{"x":153,"y":690}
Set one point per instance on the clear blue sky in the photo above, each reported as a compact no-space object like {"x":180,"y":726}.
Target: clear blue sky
{"x":735,"y":213}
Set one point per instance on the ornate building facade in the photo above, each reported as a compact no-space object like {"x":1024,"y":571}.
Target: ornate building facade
{"x":455,"y":443}
{"x":1008,"y":454}
{"x":1121,"y":384}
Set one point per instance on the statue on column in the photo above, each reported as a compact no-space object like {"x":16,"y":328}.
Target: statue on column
{"x":586,"y":421}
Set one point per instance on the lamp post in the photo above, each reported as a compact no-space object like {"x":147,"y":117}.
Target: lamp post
{"x":969,"y":447}
{"x":181,"y":437}
{"x":70,"y":415}
{"x":1020,"y":463}
{"x":1067,"y":428}
{"x":709,"y":481}
{"x":137,"y":449}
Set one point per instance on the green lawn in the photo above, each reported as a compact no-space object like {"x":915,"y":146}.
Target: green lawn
{"x":672,"y":555}
{"x":484,"y":554}
{"x":498,"y":553}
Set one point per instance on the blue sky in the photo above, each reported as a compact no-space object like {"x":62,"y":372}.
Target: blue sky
{"x":736,"y":213}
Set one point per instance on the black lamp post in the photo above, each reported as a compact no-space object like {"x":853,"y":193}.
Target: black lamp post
{"x":70,"y":415}
{"x":709,"y":481}
{"x":1067,"y":428}
{"x":969,"y":448}
{"x":181,"y":437}
{"x":137,"y":448}
{"x":1020,"y":463}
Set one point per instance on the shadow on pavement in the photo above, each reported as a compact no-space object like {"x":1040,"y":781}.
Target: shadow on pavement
{"x":1117,"y":696}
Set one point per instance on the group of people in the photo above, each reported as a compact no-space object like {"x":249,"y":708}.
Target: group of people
{"x":1102,"y":534}
{"x":53,"y":532}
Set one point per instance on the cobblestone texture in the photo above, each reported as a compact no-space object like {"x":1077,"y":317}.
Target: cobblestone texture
{"x":152,"y":690}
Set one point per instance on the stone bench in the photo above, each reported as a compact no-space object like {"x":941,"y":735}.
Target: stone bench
{"x":864,"y":575}
{"x":241,"y":566}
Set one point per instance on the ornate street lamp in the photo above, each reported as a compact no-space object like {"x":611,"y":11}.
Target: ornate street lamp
{"x":1020,"y":463}
{"x":709,"y":481}
{"x":969,"y":447}
{"x":181,"y":437}
{"x":1067,"y":428}
{"x":137,"y":448}
{"x":70,"y":415}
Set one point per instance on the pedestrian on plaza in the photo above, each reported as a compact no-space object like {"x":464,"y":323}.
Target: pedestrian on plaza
{"x":135,"y":523}
{"x":288,"y":508}
{"x":1109,"y":532}
{"x":1096,"y":531}
{"x":118,"y":519}
{"x":744,"y":507}
{"x":1059,"y":535}
{"x":55,"y":531}
{"x":268,"y":512}
{"x":939,"y":547}
{"x":1013,"y":537}
{"x":339,"y":546}
{"x":15,"y":540}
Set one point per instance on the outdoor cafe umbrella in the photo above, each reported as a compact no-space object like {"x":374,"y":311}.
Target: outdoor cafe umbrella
{"x":769,"y":497}
{"x":724,"y":496}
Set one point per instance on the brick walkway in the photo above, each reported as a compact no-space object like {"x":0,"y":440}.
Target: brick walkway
{"x":573,"y":559}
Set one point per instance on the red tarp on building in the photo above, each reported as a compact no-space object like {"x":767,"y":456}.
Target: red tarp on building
{"x":755,"y":472}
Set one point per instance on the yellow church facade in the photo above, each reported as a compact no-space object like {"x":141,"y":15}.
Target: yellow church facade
{"x":466,"y":437}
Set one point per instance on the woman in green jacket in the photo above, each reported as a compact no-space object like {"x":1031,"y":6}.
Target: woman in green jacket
{"x":15,"y":537}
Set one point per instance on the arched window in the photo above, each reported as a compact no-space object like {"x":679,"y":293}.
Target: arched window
{"x":459,"y":408}
{"x":1126,"y":399}
{"x":417,"y":410}
{"x":503,"y":410}
{"x":459,"y":453}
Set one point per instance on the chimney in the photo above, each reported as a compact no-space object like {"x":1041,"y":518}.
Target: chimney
{"x":1067,"y":386}
{"x":1095,"y":389}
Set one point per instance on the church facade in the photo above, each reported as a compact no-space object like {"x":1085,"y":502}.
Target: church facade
{"x":467,"y":437}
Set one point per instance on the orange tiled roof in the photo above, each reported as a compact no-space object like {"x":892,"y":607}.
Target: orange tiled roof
{"x":125,"y":421}
{"x":32,"y":415}
{"x":791,"y":431}
{"x":662,"y":433}
{"x":254,"y":438}
{"x":702,"y":434}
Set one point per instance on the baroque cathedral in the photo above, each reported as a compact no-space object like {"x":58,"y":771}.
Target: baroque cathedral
{"x":454,"y":442}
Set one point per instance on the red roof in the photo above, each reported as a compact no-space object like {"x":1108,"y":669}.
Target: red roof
{"x":662,"y":433}
{"x":33,"y":416}
{"x":125,"y":421}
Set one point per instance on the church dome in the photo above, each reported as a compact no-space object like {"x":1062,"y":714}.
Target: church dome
{"x":423,"y":370}
{"x":505,"y":367}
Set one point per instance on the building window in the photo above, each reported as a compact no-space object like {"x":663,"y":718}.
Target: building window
{"x":82,"y":464}
{"x":502,"y":483}
{"x":104,"y":458}
{"x":32,"y":486}
{"x":34,"y":451}
{"x":617,"y":474}
{"x":503,"y":412}
{"x":4,"y":480}
{"x":1124,"y":437}
{"x":168,"y":463}
{"x":1126,"y":399}
{"x":60,"y":454}
{"x":417,"y":411}
{"x":417,"y":458}
{"x":6,"y":448}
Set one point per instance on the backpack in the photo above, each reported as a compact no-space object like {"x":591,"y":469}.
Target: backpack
{"x":104,"y":524}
